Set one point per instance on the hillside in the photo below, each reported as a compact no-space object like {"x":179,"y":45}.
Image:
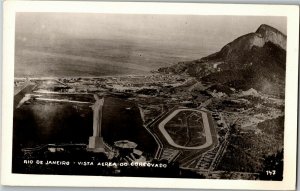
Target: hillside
{"x":255,"y":60}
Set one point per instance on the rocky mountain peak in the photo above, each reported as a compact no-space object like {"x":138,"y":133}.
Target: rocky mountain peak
{"x":236,"y":50}
{"x":271,"y":34}
{"x":243,"y":63}
{"x":264,"y":29}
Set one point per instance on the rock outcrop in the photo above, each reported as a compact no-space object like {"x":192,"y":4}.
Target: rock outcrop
{"x":255,"y":60}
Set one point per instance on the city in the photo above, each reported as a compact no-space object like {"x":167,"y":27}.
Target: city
{"x":165,"y":118}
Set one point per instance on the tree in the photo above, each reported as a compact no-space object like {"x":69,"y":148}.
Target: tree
{"x":272,"y":167}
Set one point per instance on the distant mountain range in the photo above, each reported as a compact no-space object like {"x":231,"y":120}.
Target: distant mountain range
{"x":255,"y":60}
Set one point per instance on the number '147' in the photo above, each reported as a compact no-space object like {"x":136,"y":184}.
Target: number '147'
{"x":271,"y":172}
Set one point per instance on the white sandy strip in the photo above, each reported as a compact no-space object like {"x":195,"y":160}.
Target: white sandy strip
{"x":24,"y":99}
{"x":18,"y":89}
{"x":59,"y":93}
{"x":61,"y":100}
{"x":209,"y":140}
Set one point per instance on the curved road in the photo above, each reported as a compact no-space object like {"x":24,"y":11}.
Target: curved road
{"x":208,"y":134}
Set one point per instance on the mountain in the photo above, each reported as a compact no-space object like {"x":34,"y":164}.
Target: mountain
{"x":255,"y":60}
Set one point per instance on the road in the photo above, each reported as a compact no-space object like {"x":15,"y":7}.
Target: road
{"x":17,"y":90}
{"x":164,"y":145}
{"x":20,"y":92}
{"x":152,"y":127}
{"x":62,"y":100}
{"x":208,"y":142}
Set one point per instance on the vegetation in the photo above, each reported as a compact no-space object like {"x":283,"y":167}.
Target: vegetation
{"x":249,"y":151}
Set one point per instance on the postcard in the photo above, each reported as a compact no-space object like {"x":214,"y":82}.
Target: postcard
{"x":154,"y":95}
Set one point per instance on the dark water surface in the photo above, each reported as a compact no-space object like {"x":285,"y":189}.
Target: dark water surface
{"x":122,"y":120}
{"x":52,"y":123}
{"x":40,"y":123}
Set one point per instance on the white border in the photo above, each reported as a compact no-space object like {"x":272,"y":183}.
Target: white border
{"x":290,"y":134}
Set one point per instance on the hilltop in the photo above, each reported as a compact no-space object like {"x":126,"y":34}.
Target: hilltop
{"x":255,"y":60}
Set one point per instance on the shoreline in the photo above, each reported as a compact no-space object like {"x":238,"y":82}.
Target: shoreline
{"x":87,"y":77}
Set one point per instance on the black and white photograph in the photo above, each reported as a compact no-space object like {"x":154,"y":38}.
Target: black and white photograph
{"x":189,"y":96}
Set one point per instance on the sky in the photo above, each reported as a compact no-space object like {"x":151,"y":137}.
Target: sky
{"x":73,"y":44}
{"x":190,"y":31}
